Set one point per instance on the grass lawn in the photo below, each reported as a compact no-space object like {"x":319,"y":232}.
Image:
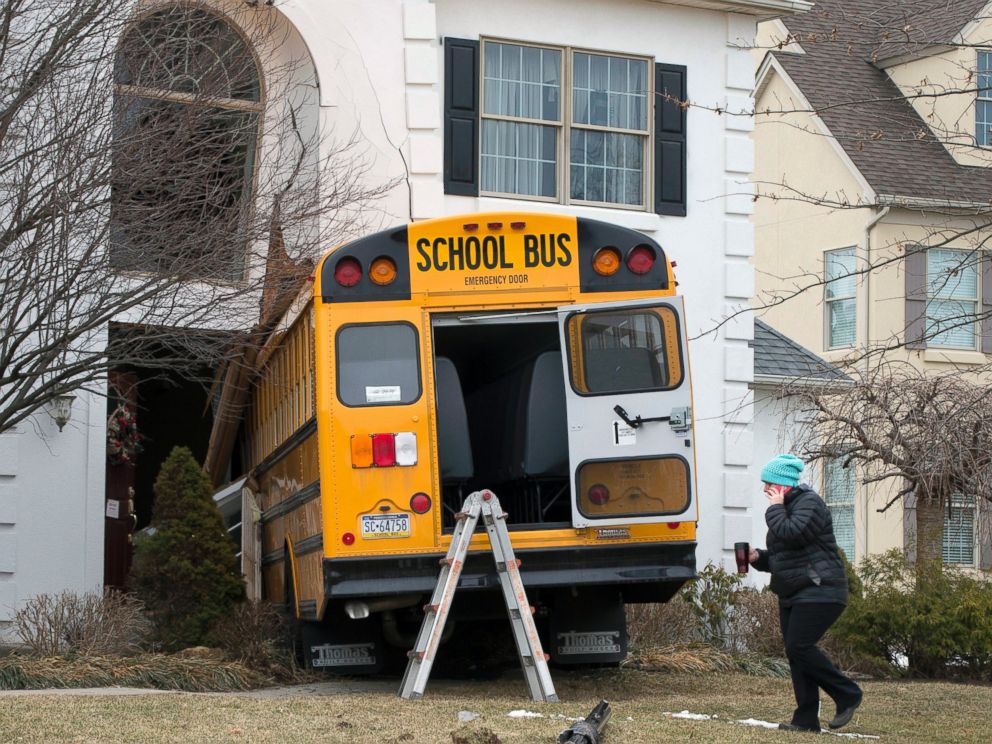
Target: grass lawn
{"x":894,"y":711}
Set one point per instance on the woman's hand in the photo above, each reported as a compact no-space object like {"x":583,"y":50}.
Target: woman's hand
{"x":775,"y":493}
{"x":752,"y":556}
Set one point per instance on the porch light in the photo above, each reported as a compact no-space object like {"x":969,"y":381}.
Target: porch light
{"x":62,"y":409}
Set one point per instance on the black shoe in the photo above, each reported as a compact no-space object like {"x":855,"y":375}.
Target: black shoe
{"x":794,"y":727}
{"x":845,"y":714}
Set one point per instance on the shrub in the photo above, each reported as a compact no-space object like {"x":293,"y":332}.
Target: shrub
{"x":931,"y":618}
{"x":82,"y":624}
{"x":254,"y":633}
{"x":187,"y":571}
{"x":754,"y":626}
{"x":713,"y":598}
{"x":669,"y":624}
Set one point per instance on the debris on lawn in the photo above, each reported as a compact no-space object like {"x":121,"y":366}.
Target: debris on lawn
{"x":588,"y":730}
{"x":524,"y":714}
{"x":467,"y":715}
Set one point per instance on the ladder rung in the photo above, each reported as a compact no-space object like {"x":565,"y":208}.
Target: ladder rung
{"x":431,"y":608}
{"x":444,"y":561}
{"x":459,"y":516}
{"x":414,"y":654}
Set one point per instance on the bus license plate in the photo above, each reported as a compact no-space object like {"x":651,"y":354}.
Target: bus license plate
{"x":375,"y":526}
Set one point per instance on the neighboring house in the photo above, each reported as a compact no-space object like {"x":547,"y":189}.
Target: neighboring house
{"x":871,"y":139}
{"x":780,"y":365}
{"x":567,"y":106}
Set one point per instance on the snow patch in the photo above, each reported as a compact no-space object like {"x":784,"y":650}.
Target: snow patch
{"x":524,"y":714}
{"x":690,"y":716}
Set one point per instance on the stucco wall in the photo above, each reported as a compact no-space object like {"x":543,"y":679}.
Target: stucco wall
{"x":942,"y":89}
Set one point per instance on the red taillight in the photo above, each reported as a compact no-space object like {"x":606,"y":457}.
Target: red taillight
{"x":599,"y":494}
{"x":348,"y":272}
{"x":674,"y":525}
{"x":348,"y":538}
{"x":384,"y":450}
{"x":420,"y":503}
{"x":640,"y":259}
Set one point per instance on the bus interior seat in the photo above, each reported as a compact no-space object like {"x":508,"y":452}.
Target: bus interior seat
{"x":621,"y":369}
{"x":493,"y":408}
{"x":454,"y":444}
{"x":543,"y":443}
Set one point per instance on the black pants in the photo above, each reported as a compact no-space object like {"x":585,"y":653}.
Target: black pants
{"x":802,"y":626}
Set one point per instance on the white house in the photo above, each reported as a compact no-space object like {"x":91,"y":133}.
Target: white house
{"x":406,"y":76}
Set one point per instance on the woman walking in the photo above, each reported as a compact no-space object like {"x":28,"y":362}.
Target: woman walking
{"x":808,"y":577}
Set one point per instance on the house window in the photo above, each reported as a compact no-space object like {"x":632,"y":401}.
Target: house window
{"x":983,"y":106}
{"x":952,"y":298}
{"x":187,"y":102}
{"x":531,"y":116}
{"x":840,"y":298}
{"x":959,"y":531}
{"x":839,"y":489}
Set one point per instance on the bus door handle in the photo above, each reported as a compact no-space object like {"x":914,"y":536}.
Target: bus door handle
{"x":635,"y":422}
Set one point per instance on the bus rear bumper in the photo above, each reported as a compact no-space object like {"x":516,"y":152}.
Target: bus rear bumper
{"x":628,"y":567}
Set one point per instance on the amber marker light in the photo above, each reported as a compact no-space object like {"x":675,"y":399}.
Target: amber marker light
{"x":606,"y":262}
{"x":361,"y":451}
{"x":383,"y":271}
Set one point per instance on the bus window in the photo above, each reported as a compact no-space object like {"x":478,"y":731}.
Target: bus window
{"x":618,"y":351}
{"x":633,"y":488}
{"x":378,"y":364}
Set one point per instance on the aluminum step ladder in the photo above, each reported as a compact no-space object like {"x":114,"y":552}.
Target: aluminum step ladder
{"x":533,"y":660}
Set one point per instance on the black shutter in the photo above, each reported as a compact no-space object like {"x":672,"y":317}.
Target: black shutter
{"x":669,"y":139}
{"x":461,"y":117}
{"x":916,"y":296}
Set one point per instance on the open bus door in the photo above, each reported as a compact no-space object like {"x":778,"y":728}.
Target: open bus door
{"x":629,"y":409}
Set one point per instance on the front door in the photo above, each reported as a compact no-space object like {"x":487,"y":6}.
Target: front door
{"x":629,"y":405}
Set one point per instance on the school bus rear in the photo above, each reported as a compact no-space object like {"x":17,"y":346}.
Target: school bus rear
{"x":540,"y":356}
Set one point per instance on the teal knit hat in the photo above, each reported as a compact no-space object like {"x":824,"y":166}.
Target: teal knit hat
{"x":783,"y":470}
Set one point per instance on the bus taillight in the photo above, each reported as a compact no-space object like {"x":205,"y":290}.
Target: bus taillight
{"x":384,"y":450}
{"x":348,"y":272}
{"x":640,"y":259}
{"x":420,"y":503}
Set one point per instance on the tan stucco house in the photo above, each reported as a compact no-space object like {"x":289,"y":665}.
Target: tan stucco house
{"x":873,"y":144}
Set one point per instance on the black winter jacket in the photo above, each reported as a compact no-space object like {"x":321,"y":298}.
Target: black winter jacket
{"x":802,"y":553}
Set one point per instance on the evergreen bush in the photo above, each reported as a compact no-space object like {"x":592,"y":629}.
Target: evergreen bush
{"x":930,"y":619}
{"x":187,"y":571}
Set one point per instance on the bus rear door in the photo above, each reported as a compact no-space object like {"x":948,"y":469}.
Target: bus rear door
{"x":629,"y":410}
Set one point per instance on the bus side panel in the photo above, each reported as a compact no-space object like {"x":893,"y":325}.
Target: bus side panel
{"x":289,"y":498}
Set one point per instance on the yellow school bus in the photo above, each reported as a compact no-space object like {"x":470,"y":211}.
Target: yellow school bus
{"x":540,"y":356}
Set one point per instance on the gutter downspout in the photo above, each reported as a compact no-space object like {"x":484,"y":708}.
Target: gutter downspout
{"x":866,"y":257}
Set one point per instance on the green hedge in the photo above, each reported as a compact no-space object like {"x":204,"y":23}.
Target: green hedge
{"x":930,"y":620}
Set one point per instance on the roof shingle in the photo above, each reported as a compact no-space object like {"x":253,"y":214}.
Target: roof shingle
{"x":892,"y":147}
{"x":777,"y":355}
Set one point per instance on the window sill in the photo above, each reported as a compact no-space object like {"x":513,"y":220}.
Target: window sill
{"x":954,"y":356}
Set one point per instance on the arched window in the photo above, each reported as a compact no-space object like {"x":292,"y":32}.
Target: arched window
{"x":186,"y":116}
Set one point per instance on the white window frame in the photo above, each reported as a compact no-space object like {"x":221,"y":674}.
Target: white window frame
{"x":564,"y":126}
{"x":852,"y":504}
{"x":960,"y":503}
{"x":829,"y":301}
{"x":932,"y":340}
{"x":983,"y":129}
